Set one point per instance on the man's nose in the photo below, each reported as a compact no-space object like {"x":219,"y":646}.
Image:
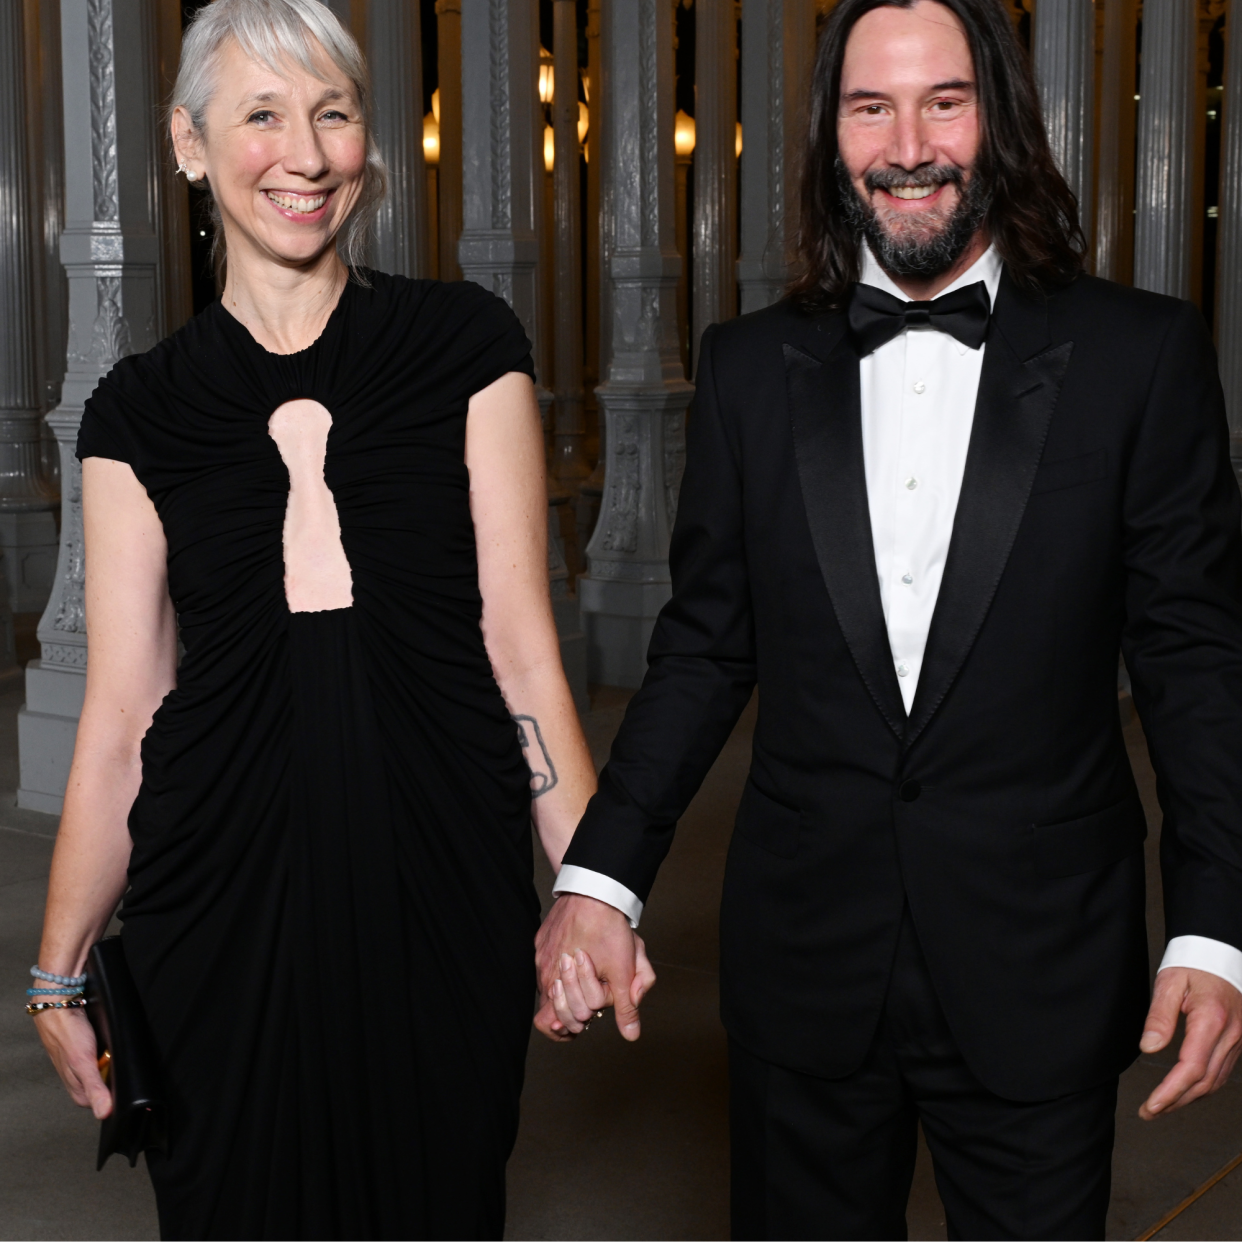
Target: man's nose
{"x":908,"y":146}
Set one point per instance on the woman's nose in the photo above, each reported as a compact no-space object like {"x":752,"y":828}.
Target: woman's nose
{"x":305,"y":153}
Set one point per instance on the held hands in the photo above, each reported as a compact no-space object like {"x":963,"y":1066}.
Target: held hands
{"x":588,"y":958}
{"x":1213,"y":1039}
{"x":70,"y":1042}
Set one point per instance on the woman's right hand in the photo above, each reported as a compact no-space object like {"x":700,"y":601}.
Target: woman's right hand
{"x":70,"y":1041}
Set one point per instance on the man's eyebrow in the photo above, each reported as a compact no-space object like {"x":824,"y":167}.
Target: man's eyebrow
{"x":865,"y":92}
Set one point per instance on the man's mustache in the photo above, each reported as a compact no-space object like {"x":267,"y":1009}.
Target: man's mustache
{"x":905,"y":178}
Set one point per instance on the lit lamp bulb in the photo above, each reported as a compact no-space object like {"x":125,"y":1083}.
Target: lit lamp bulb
{"x":431,"y":139}
{"x":435,"y":106}
{"x":737,"y":145}
{"x":683,"y":134}
{"x":547,"y":76}
{"x":584,"y":121}
{"x":549,"y":147}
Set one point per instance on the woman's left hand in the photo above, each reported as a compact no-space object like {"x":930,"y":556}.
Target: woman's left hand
{"x":578,"y":995}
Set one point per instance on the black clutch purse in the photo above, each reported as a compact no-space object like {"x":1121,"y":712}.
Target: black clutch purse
{"x":127,"y":1058}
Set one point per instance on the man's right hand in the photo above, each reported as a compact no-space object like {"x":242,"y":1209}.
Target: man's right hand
{"x":588,"y":958}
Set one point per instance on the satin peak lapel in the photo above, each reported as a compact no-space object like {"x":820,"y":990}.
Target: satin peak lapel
{"x":826,"y":411}
{"x":1017,"y":395}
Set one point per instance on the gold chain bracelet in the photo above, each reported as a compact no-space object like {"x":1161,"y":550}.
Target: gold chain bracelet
{"x":37,"y":1007}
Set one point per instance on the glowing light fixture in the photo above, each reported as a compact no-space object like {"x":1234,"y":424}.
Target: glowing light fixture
{"x":549,"y":147}
{"x":586,"y":85}
{"x":584,"y":121}
{"x":683,"y":134}
{"x":547,"y":78}
{"x":737,"y":145}
{"x":431,"y":140}
{"x":435,"y":105}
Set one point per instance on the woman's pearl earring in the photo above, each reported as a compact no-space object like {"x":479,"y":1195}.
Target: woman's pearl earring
{"x":189,"y":176}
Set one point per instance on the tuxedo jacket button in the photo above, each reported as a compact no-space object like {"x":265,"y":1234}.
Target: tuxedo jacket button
{"x":909,"y":790}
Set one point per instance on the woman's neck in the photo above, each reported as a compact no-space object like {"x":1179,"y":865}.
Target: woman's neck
{"x":285,"y":309}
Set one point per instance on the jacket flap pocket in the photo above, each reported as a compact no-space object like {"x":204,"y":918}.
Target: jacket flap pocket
{"x":768,"y":823}
{"x":1052,"y":476}
{"x":1091,"y":842}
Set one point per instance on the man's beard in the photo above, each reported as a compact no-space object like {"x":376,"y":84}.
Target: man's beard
{"x":905,"y":246}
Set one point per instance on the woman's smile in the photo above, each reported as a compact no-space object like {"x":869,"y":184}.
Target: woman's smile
{"x":299,"y":205}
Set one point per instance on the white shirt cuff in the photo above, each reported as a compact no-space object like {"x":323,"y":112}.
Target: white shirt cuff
{"x":604,"y":888}
{"x":1202,"y":953}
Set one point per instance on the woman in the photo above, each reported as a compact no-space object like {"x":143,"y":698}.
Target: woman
{"x":330,"y":485}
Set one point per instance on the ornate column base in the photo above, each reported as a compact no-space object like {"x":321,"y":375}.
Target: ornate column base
{"x":617,"y":618}
{"x":565,"y":609}
{"x":629,"y":582}
{"x":28,"y":534}
{"x":29,"y":542}
{"x":47,"y":728}
{"x":47,"y":724}
{"x":8,"y":644}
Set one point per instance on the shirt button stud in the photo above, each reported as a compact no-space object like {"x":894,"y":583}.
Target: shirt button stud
{"x":907,"y":578}
{"x":911,"y":483}
{"x":920,"y":388}
{"x":909,"y":791}
{"x":903,"y":669}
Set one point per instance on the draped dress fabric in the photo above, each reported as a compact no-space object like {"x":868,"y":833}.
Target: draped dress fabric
{"x":331,"y":907}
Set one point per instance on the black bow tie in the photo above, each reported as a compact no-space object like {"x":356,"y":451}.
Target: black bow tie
{"x":876,"y":317}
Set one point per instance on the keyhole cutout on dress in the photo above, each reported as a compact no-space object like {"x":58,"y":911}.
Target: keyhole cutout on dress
{"x":317,"y":574}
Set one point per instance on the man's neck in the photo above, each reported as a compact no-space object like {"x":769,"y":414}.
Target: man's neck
{"x":919,"y":290}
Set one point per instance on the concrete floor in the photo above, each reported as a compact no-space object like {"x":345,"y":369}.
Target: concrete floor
{"x":617,"y":1141}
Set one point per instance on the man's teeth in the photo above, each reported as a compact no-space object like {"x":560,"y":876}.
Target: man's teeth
{"x":913,"y":191}
{"x":297,"y":202}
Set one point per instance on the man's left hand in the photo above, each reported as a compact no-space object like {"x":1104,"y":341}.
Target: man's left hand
{"x":1213,"y":1039}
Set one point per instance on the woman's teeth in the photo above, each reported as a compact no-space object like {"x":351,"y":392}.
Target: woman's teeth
{"x":297,"y":202}
{"x":913,"y":191}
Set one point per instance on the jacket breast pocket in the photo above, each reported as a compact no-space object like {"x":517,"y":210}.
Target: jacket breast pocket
{"x":1089,"y":843}
{"x":1055,"y":476}
{"x":767,"y":823}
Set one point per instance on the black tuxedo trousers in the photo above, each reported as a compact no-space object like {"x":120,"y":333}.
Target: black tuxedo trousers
{"x":1098,"y":511}
{"x":832,"y":1158}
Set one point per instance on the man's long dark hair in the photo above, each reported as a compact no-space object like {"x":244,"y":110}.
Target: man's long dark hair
{"x":1033,"y":217}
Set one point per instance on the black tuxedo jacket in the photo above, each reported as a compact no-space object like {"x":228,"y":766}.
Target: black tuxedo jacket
{"x":1098,"y":510}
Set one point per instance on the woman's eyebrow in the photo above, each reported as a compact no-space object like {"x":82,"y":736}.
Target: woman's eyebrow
{"x":331,"y":92}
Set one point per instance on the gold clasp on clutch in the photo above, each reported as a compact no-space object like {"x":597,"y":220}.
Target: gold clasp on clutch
{"x":105,"y":1065}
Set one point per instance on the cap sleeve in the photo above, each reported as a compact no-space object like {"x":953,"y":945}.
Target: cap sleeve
{"x":492,"y":338}
{"x":104,"y":430}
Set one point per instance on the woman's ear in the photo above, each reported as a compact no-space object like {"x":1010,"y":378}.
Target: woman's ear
{"x":187,"y":144}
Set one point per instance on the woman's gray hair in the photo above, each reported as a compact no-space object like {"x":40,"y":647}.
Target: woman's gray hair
{"x":276,"y":33}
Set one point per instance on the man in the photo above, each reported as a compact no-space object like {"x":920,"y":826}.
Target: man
{"x":927,"y":498}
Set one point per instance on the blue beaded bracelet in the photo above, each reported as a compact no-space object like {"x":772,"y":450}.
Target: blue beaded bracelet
{"x":48,"y":977}
{"x":53,"y":991}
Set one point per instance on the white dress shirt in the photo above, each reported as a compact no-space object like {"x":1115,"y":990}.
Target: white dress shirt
{"x":918,"y":406}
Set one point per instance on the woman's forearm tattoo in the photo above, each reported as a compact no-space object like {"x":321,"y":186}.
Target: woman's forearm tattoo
{"x":542,"y":770}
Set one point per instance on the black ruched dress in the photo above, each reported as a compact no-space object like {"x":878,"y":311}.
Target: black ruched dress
{"x":329,"y":799}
